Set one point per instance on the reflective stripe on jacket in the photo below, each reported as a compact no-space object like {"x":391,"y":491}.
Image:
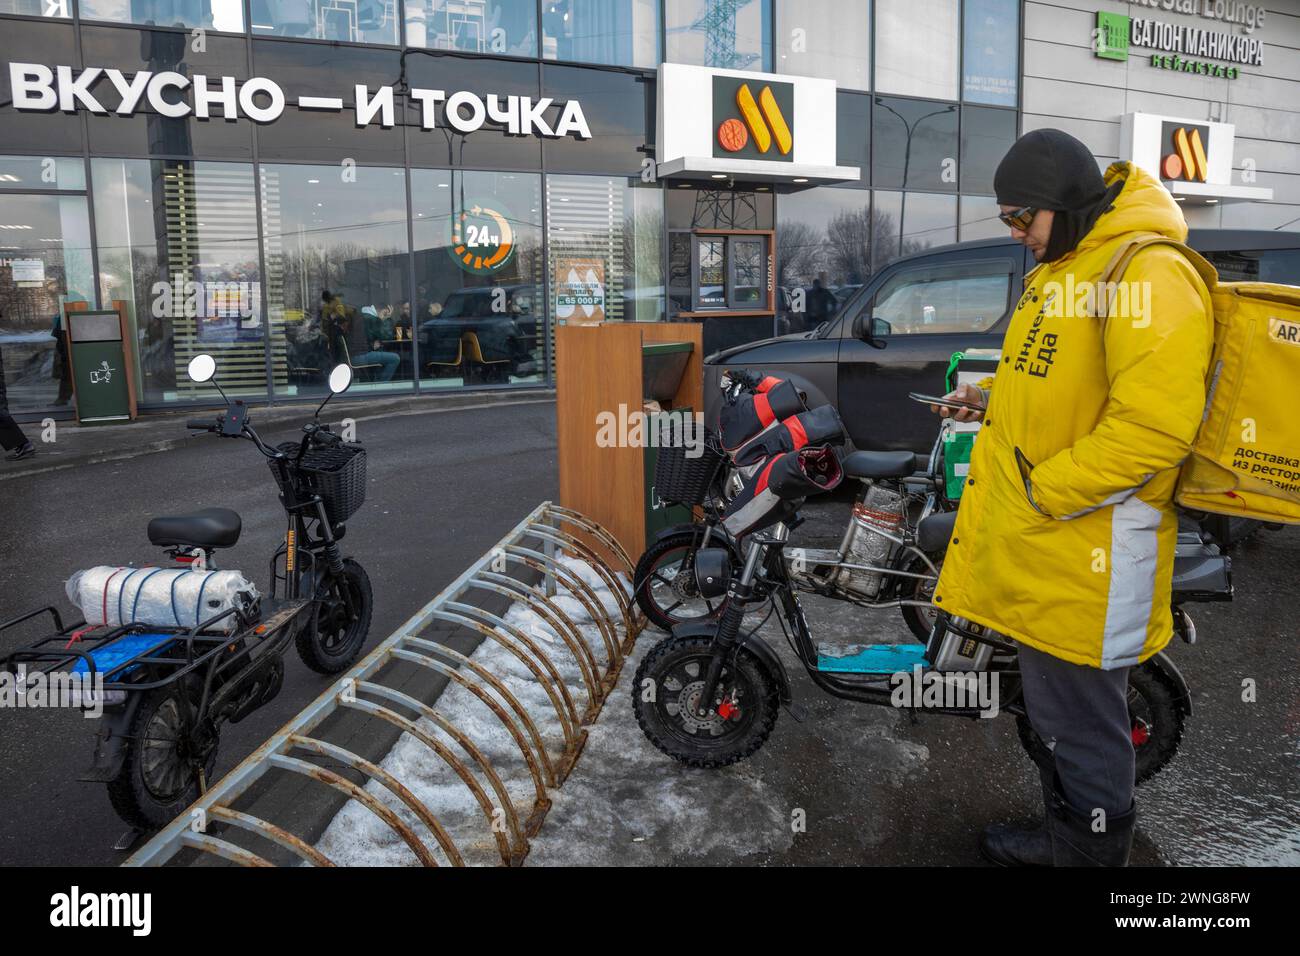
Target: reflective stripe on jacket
{"x":1066,"y":531}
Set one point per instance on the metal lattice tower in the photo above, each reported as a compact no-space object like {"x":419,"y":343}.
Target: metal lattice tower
{"x":718,"y":23}
{"x":724,"y":209}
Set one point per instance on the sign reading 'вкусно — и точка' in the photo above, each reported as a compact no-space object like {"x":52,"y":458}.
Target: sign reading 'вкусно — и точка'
{"x":43,"y":89}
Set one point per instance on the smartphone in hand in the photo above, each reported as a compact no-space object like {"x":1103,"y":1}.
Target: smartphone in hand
{"x":944,"y":402}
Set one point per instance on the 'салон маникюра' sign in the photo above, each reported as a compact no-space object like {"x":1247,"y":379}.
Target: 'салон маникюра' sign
{"x":39,"y":88}
{"x":1177,"y":44}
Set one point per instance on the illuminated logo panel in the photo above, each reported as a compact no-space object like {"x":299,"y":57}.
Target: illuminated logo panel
{"x":1186,"y":159}
{"x":753,"y":120}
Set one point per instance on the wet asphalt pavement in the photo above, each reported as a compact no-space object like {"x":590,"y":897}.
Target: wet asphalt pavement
{"x":443,"y":488}
{"x":869,"y":786}
{"x":860,"y":784}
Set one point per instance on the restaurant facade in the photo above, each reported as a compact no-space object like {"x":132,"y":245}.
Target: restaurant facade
{"x":426,"y":188}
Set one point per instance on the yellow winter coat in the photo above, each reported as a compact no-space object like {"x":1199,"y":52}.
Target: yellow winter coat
{"x":1069,"y":546}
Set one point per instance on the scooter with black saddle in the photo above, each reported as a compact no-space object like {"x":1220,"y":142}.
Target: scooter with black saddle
{"x":709,"y":694}
{"x":166,"y":689}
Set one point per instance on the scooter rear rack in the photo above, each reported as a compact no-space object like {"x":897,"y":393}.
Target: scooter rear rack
{"x":115,"y":657}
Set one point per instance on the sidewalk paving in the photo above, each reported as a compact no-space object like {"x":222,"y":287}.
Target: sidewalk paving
{"x":74,"y":445}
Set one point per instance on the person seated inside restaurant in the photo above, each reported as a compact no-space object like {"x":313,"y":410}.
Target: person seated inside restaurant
{"x":359,"y":340}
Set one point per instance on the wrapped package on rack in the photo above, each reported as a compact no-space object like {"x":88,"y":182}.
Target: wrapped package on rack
{"x":160,"y":597}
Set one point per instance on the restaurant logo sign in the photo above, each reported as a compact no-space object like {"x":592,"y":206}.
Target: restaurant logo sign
{"x":482,"y":240}
{"x":752,"y":120}
{"x":1187,"y":161}
{"x":39,"y":88}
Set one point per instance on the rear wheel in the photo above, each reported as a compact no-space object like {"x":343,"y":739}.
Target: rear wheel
{"x":336,"y":630}
{"x":1156,"y":721}
{"x":159,"y":777}
{"x":664,"y":582}
{"x":920,"y":620}
{"x":666,"y":696}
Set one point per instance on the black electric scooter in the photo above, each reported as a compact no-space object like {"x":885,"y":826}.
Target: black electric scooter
{"x":708,"y":695}
{"x":166,"y":691}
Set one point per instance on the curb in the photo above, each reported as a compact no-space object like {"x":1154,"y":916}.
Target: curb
{"x":278,"y":415}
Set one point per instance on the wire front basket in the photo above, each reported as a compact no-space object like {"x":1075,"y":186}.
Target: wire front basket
{"x":335,"y":472}
{"x":683,"y":479}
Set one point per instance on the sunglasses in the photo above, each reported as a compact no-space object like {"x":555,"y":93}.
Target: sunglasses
{"x":1018,"y":218}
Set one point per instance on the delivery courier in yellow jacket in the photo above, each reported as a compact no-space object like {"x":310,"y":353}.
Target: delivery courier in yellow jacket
{"x":1065,"y":536}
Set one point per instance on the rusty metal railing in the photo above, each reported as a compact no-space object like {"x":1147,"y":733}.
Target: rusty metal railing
{"x":526,"y":569}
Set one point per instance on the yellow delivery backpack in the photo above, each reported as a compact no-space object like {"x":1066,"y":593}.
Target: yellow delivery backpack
{"x":1245,"y":459}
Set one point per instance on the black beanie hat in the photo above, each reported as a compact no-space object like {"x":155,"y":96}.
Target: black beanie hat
{"x":1050,"y":169}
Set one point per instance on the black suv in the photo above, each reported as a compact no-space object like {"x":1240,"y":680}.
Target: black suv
{"x":897,"y":333}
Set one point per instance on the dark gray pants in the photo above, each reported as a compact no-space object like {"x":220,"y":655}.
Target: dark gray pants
{"x":1082,"y":713}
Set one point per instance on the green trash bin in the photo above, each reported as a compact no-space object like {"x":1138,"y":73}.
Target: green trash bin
{"x":99,"y":367}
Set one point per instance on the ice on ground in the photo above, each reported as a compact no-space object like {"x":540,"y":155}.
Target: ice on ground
{"x":357,"y":837}
{"x":626,"y":802}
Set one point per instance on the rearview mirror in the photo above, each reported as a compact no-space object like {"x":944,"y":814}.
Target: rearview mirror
{"x":340,"y":379}
{"x":201,"y":368}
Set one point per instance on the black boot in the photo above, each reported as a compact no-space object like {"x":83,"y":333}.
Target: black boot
{"x":1075,"y":843}
{"x":25,"y":450}
{"x":1008,"y":845}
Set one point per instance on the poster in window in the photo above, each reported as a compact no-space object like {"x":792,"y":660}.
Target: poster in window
{"x":990,"y":55}
{"x":28,"y":273}
{"x":580,"y":291}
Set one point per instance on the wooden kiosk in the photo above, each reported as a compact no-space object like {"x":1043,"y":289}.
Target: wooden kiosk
{"x":600,"y":370}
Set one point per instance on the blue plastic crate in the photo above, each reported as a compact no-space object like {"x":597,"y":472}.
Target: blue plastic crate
{"x":116,"y":653}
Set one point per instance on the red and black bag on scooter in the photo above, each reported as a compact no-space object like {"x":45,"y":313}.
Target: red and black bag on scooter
{"x":754,"y":404}
{"x":821,"y":426}
{"x":771,"y":493}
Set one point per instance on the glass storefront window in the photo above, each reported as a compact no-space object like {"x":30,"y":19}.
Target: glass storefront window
{"x":496,"y":26}
{"x":915,"y":144}
{"x":853,"y":134}
{"x":823,"y":253}
{"x":349,"y":21}
{"x":45,"y":262}
{"x":56,"y":9}
{"x":178,"y":249}
{"x":917,"y":48}
{"x":979,"y":219}
{"x":478,"y":309}
{"x":223,"y":15}
{"x":690,"y":207}
{"x":911,"y":222}
{"x":617,"y":32}
{"x":826,"y":38}
{"x":986,"y":135}
{"x":336,"y":274}
{"x":990,"y":51}
{"x":733,"y":36}
{"x":42,"y":172}
{"x":605,"y":249}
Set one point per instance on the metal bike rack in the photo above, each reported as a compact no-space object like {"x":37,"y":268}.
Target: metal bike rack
{"x":524,"y":568}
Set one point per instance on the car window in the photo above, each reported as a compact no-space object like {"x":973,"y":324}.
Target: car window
{"x":1268,"y":265}
{"x":950,"y":297}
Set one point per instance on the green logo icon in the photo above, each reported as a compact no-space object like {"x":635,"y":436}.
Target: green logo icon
{"x":1110,"y":39}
